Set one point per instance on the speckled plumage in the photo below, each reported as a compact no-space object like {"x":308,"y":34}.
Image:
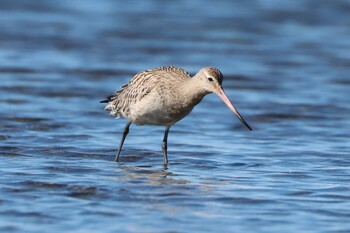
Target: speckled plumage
{"x":163,"y":96}
{"x":155,"y":97}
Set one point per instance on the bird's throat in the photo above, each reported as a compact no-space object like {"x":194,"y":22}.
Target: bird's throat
{"x":193,"y":92}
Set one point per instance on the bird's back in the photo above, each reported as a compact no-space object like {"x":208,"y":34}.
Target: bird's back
{"x":141,"y":85}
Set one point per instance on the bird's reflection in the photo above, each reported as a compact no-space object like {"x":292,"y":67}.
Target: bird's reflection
{"x":152,"y":174}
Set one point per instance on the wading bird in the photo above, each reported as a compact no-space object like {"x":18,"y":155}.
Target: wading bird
{"x":163,"y":96}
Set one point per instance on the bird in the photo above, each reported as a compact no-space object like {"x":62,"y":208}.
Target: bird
{"x":163,"y":96}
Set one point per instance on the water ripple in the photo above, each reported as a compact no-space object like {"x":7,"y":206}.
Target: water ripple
{"x":282,"y":69}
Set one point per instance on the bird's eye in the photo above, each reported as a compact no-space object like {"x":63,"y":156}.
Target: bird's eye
{"x":210,"y":79}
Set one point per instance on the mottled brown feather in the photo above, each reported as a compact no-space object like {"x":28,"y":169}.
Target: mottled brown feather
{"x":140,"y":86}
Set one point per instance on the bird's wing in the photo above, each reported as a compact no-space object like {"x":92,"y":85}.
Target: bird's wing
{"x":140,"y":86}
{"x":143,"y":83}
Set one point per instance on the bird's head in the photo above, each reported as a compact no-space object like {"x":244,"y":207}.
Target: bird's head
{"x":211,"y":80}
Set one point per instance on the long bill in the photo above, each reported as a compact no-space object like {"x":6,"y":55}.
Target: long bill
{"x":221,"y":93}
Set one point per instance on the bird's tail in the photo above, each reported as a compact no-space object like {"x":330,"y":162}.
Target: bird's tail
{"x":109,"y":98}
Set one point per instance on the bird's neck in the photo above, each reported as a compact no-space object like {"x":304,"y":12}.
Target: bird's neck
{"x":193,"y":90}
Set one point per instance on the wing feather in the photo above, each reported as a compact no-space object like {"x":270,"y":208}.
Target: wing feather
{"x":139,"y":87}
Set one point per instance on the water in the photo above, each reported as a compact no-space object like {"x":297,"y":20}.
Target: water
{"x":286,"y":68}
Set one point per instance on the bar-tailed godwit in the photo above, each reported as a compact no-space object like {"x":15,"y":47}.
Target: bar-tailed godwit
{"x":163,"y":96}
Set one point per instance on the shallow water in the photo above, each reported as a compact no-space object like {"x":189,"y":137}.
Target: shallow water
{"x":286,"y":68}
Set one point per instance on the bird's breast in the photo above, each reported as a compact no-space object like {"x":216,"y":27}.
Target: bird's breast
{"x":162,"y":109}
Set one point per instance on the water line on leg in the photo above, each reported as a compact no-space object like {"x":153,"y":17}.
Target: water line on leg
{"x":165,"y":145}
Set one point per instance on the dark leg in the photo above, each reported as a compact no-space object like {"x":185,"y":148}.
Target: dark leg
{"x":126,"y":131}
{"x":165,"y":146}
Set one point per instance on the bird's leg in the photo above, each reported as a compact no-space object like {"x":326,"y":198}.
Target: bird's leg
{"x":126,"y":131}
{"x":165,"y":146}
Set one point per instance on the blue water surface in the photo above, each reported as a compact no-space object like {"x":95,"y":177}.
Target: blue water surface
{"x":286,"y":68}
